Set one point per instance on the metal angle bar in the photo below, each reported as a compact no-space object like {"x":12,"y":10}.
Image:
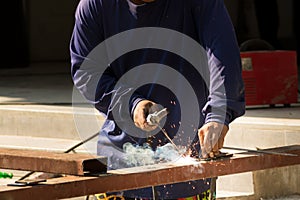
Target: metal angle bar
{"x":260,"y":151}
{"x":67,"y":151}
{"x":45,"y":161}
{"x":160,"y":174}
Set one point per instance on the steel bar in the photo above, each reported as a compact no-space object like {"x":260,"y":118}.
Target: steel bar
{"x":152,"y":175}
{"x":45,"y":161}
{"x":81,"y":143}
{"x":267,"y":151}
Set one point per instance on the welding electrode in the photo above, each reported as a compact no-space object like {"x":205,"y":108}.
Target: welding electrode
{"x":154,"y":119}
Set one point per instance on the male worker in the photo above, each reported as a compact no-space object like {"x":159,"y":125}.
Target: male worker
{"x":203,"y":21}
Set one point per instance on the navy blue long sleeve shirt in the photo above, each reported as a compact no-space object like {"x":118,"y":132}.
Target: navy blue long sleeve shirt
{"x":219,"y":99}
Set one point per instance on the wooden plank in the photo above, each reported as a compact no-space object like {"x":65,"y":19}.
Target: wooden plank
{"x":45,"y":161}
{"x":139,"y":177}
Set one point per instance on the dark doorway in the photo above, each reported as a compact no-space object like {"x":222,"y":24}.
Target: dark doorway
{"x":14,"y":40}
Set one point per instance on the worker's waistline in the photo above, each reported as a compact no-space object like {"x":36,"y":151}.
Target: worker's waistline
{"x":103,"y":196}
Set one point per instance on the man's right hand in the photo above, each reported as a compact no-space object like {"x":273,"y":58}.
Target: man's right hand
{"x":140,"y":113}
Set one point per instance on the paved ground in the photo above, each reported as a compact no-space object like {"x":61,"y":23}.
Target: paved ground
{"x":40,"y":83}
{"x":43,"y":83}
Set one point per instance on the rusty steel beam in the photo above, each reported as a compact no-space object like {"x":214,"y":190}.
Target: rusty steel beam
{"x":139,"y":177}
{"x":45,"y":161}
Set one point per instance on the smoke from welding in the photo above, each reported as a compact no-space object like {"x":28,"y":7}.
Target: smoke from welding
{"x":144,"y":155}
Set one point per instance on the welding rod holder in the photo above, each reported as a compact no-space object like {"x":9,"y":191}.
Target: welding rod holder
{"x":156,"y":117}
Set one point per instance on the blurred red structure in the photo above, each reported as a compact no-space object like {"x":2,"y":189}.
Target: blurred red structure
{"x":270,"y":77}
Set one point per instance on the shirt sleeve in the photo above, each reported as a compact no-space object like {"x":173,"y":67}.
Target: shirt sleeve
{"x":226,"y":88}
{"x":90,"y":66}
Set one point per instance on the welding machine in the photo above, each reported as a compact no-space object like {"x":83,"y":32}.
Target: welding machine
{"x":270,"y":77}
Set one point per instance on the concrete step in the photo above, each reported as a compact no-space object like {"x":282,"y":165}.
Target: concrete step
{"x":65,"y":122}
{"x":266,"y":128}
{"x":47,"y":144}
{"x":273,"y":126}
{"x":263,"y":128}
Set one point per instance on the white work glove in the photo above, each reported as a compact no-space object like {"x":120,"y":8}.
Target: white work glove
{"x":140,"y":113}
{"x":211,"y":136}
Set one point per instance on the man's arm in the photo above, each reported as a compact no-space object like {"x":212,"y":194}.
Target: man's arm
{"x":226,"y":90}
{"x":217,"y":36}
{"x":92,"y":75}
{"x":87,"y":34}
{"x":91,"y":71}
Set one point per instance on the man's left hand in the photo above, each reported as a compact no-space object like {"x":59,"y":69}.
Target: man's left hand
{"x":211,"y":136}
